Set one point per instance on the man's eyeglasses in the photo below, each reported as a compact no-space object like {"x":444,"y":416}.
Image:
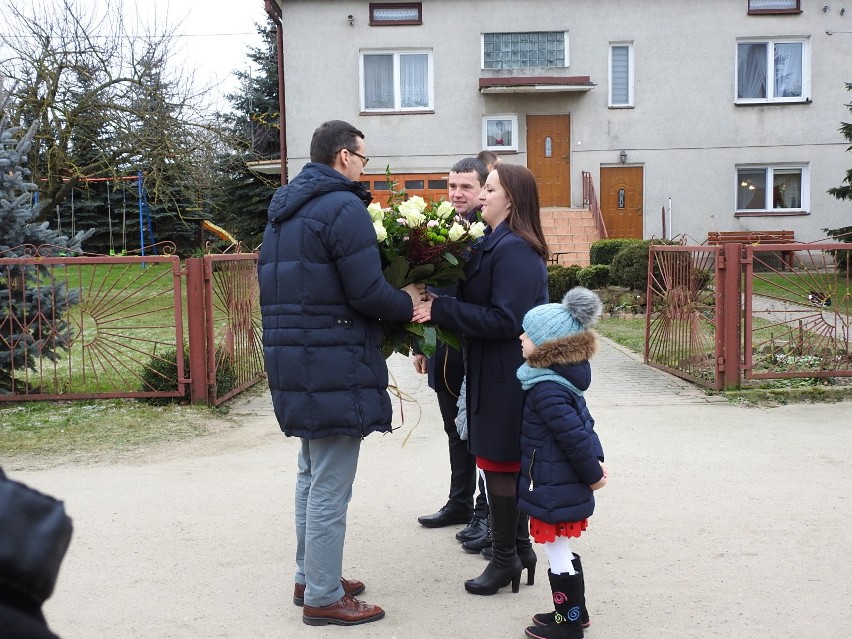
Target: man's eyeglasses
{"x":364,"y":159}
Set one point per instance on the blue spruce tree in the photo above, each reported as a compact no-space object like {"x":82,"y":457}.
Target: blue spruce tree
{"x":33,"y":305}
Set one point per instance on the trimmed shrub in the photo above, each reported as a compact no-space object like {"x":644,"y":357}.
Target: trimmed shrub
{"x":560,"y":279}
{"x":604,"y":251}
{"x":594,"y":277}
{"x":161,"y":372}
{"x":630,"y":267}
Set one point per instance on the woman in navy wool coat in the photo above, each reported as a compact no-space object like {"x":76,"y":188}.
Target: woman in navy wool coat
{"x":506,"y":277}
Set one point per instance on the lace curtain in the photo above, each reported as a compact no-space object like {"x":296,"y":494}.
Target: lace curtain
{"x":379,"y":81}
{"x":751,"y":70}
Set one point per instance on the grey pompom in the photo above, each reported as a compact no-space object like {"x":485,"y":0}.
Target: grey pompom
{"x":583,"y":305}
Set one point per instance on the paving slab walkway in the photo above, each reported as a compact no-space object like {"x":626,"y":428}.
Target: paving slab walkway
{"x":719,"y":520}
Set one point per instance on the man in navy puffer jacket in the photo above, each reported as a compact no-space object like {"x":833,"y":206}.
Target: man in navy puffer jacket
{"x":322,"y":293}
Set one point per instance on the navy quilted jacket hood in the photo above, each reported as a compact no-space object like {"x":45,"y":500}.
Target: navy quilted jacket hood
{"x":314,"y":180}
{"x":321,"y":294}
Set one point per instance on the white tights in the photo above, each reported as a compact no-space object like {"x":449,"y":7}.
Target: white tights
{"x":559,"y":556}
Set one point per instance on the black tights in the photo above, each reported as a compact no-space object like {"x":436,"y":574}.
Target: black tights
{"x":501,"y":484}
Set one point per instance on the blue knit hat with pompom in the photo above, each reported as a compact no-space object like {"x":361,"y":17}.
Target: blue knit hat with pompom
{"x":579,"y":309}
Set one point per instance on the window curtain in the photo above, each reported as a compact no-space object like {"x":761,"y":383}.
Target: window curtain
{"x":751,"y":191}
{"x":788,"y":70}
{"x":787,"y":189}
{"x":620,"y":75}
{"x":414,"y":80}
{"x":378,"y":82}
{"x":751,"y":70}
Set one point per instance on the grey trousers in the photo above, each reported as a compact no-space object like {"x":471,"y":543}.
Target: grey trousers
{"x":326,"y":470}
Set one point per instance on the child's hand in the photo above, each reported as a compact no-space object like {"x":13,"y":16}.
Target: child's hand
{"x":600,"y":484}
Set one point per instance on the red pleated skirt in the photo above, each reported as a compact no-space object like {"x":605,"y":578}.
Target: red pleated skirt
{"x":498,"y":466}
{"x":542,"y":532}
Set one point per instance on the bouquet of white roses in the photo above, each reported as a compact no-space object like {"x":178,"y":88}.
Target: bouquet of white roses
{"x":425,"y":242}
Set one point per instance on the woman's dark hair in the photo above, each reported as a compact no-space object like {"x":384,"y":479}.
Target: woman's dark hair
{"x":330,"y":137}
{"x":525,"y":217}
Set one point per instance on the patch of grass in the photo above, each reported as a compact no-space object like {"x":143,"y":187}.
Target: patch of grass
{"x":33,"y":433}
{"x":795,"y":287}
{"x":630,"y":333}
{"x":783,"y":396}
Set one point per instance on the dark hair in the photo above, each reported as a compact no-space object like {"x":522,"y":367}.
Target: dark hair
{"x":471,"y":165}
{"x":488,"y":157}
{"x":525,"y":217}
{"x":330,"y":137}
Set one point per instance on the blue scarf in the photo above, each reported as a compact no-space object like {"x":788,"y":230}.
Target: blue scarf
{"x":530,"y":376}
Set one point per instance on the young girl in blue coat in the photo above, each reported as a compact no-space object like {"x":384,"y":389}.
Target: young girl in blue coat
{"x":561,"y":455}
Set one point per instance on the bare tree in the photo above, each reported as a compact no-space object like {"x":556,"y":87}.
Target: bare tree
{"x":109,"y":101}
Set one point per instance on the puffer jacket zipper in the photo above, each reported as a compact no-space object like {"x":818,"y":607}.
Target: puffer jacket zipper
{"x":532,"y":463}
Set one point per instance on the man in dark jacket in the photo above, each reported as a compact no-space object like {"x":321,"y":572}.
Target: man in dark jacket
{"x":446,"y":371}
{"x":322,"y":293}
{"x":34,"y":536}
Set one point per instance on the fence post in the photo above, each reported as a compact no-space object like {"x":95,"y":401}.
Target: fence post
{"x":197,"y":326}
{"x":731,"y":302}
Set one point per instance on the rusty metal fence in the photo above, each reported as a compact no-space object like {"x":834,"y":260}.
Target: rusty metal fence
{"x":719,"y":315}
{"x":126,"y":326}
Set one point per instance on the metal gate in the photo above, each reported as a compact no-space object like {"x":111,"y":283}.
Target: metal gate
{"x":719,"y":314}
{"x":90,"y":327}
{"x":113,"y":326}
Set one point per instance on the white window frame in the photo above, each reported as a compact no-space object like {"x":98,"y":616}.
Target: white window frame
{"x":487,"y":120}
{"x":770,"y":69}
{"x":397,"y":100}
{"x":629,"y":103}
{"x":804,"y":204}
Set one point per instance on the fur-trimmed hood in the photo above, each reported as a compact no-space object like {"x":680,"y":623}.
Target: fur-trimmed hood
{"x":573,"y":349}
{"x":568,"y":357}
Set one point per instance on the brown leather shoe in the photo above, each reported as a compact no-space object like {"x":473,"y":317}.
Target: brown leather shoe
{"x":350,"y":587}
{"x":347,"y":611}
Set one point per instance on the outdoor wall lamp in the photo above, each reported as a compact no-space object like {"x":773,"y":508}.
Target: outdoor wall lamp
{"x":623,"y":156}
{"x":351,"y":19}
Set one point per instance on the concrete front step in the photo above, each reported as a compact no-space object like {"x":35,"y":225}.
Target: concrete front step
{"x":570,"y":234}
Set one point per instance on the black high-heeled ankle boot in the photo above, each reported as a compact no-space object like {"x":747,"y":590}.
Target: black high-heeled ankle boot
{"x":505,"y":567}
{"x":525,"y":549}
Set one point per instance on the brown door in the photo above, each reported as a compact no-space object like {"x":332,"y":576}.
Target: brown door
{"x":621,"y":200}
{"x":548,"y":145}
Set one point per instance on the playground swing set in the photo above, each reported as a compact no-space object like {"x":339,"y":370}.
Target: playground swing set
{"x":146,"y":231}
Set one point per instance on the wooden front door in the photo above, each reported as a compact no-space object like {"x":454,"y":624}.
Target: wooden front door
{"x":548,"y":146}
{"x":621,"y":200}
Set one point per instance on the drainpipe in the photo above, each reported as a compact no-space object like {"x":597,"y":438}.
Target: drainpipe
{"x":274,"y":12}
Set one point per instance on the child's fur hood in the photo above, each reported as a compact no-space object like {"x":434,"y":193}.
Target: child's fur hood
{"x":573,"y":349}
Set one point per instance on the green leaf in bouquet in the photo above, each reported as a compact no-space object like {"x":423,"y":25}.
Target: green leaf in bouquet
{"x":396,"y":271}
{"x":452,"y":259}
{"x":449,"y":338}
{"x":430,"y":340}
{"x":419,"y":273}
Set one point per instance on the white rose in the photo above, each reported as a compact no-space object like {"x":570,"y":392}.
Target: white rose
{"x":456,"y":232}
{"x":444,"y":210}
{"x":381,"y":231}
{"x":413,"y":217}
{"x":417,"y":202}
{"x":376,"y":212}
{"x":476,"y":230}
